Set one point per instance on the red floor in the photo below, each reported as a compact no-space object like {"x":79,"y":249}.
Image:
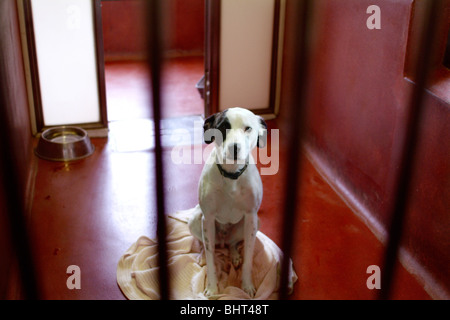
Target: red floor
{"x":128,"y":89}
{"x":333,"y":248}
{"x":87,"y":213}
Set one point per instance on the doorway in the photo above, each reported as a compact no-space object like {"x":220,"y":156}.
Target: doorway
{"x":127,"y":76}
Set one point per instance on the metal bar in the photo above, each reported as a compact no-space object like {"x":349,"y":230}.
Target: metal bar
{"x":100,"y":59}
{"x":34,"y":72}
{"x":155,"y":61}
{"x":14,"y":200}
{"x":212,"y":55}
{"x":296,"y":132}
{"x":407,"y":161}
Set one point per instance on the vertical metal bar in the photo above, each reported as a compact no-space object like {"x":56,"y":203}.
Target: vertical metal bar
{"x":34,"y":72}
{"x":100,"y":59}
{"x":423,"y":65}
{"x":212,"y":55}
{"x":14,"y":201}
{"x":296,"y":131}
{"x":154,"y":11}
{"x":275,"y":54}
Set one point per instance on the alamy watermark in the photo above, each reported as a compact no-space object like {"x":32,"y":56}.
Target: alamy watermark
{"x":191,"y":153}
{"x":374,"y":280}
{"x":374,"y":20}
{"x":74,"y":280}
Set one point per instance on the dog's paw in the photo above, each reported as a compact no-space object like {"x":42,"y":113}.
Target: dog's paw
{"x":211,"y":290}
{"x":249,"y":288}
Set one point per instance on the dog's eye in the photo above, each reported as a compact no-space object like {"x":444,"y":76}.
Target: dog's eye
{"x":248,"y":129}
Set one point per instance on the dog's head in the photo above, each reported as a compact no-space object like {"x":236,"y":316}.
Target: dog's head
{"x":235,"y":132}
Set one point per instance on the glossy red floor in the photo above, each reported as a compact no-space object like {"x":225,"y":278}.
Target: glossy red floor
{"x":87,"y":213}
{"x":128,"y":89}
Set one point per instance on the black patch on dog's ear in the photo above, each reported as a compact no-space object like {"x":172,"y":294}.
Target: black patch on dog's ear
{"x":216,"y":125}
{"x":262,"y":135}
{"x":222,"y":124}
{"x":209,"y":124}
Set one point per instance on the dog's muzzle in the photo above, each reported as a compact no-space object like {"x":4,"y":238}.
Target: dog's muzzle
{"x":232,"y":175}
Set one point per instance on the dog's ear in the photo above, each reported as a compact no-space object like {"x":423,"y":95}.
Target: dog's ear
{"x":262,"y":134}
{"x":215,"y":128}
{"x":209,"y":124}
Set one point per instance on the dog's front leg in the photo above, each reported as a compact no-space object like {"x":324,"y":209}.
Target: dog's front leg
{"x":250,"y":229}
{"x":209,"y":242}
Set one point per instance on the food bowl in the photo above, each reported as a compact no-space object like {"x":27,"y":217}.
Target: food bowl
{"x":64,"y":144}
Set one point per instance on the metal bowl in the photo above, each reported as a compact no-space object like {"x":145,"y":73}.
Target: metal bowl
{"x":64,"y":144}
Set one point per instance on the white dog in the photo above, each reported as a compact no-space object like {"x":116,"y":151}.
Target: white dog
{"x":230,"y":191}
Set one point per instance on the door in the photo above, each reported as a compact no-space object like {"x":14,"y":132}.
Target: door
{"x":65,"y":54}
{"x":243,"y":43}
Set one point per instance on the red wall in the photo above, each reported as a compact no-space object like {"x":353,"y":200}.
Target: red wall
{"x":358,"y":103}
{"x":124,"y":28}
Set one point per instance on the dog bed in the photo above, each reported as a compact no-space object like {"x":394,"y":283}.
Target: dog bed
{"x":137,"y":270}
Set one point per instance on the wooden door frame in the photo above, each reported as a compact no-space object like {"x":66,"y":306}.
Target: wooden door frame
{"x":99,"y":128}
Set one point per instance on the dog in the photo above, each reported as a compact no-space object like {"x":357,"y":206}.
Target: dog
{"x":230,"y":192}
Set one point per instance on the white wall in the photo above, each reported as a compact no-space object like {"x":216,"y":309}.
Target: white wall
{"x":65,"y":45}
{"x":246,"y":53}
